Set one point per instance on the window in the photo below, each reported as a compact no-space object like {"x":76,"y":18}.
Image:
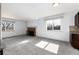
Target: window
{"x":54,"y":24}
{"x":7,"y":25}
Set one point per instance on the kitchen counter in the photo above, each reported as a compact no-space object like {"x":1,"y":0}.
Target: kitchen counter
{"x":74,"y":30}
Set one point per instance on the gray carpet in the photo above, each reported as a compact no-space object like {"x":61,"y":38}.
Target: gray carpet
{"x":26,"y":45}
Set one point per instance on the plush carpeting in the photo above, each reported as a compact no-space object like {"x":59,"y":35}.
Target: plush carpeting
{"x":26,"y":45}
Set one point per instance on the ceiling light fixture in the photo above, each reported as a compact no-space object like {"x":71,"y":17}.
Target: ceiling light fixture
{"x":55,"y":4}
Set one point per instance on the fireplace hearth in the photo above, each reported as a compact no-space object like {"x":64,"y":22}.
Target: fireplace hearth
{"x":31,"y":31}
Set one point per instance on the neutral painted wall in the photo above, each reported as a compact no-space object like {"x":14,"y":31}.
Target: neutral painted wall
{"x":0,"y":20}
{"x":63,"y":34}
{"x":20,"y":29}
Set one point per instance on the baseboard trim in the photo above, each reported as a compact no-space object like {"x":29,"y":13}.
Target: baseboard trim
{"x":53,"y":39}
{"x":14,"y":36}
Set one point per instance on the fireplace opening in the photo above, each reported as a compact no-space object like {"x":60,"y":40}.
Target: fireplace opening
{"x":31,"y":31}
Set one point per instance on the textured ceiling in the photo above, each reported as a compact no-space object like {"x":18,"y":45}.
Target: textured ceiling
{"x":29,"y":11}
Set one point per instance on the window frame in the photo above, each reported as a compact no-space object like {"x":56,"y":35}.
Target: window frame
{"x":53,"y":24}
{"x":9,"y":27}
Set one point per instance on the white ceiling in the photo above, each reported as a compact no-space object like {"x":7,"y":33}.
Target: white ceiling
{"x":28,"y":11}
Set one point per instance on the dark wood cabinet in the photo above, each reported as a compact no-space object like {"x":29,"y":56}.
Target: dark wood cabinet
{"x":1,"y":51}
{"x":74,"y":35}
{"x":77,"y":19}
{"x":75,"y":40}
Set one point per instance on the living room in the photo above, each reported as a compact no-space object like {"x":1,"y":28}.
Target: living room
{"x":39,"y":28}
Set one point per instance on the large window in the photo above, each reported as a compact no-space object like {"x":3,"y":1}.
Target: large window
{"x":7,"y":25}
{"x":54,"y":24}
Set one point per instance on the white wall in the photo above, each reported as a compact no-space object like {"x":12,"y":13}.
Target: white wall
{"x":20,"y":29}
{"x":63,"y":34}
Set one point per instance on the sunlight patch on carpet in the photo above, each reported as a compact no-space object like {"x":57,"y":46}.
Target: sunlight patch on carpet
{"x":23,"y":42}
{"x":41,"y":44}
{"x":51,"y":47}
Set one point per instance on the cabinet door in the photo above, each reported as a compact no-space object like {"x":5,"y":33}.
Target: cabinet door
{"x":75,"y":41}
{"x":77,"y":20}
